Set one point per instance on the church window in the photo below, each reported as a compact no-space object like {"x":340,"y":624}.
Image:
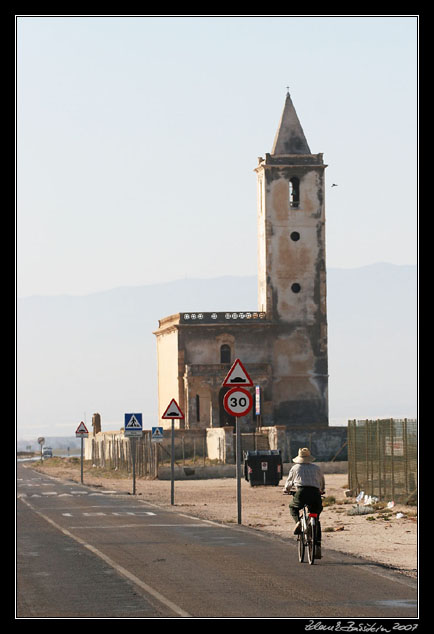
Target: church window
{"x":295,"y":236}
{"x":294,"y":192}
{"x":296,"y":288}
{"x":225,"y":354}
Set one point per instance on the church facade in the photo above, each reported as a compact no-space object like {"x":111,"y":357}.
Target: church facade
{"x":283,"y":342}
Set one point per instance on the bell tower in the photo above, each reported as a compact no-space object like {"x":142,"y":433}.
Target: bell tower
{"x":292,"y":272}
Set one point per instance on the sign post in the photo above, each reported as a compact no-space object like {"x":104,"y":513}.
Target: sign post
{"x":81,"y":432}
{"x":133,"y":428}
{"x":41,"y":441}
{"x":258,"y":406}
{"x":238,"y":402}
{"x":173,"y":412}
{"x":156,"y":438}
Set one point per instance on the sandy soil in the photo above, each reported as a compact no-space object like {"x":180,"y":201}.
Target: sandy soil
{"x":380,"y":536}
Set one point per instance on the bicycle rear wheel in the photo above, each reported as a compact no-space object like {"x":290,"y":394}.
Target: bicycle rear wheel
{"x":311,"y":540}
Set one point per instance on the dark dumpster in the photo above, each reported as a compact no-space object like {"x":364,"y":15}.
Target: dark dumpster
{"x":263,"y":467}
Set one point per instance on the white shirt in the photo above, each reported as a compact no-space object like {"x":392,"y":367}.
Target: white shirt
{"x":305,"y":474}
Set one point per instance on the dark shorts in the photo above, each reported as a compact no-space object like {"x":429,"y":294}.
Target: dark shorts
{"x":305,"y":495}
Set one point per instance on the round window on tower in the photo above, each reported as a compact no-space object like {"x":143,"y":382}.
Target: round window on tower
{"x":296,"y":288}
{"x":295,"y":236}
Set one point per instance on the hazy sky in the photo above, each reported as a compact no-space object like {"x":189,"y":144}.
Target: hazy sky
{"x":137,"y":137}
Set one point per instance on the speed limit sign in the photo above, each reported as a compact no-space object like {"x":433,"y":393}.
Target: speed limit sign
{"x":238,"y":401}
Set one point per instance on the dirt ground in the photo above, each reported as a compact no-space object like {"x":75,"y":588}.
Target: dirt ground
{"x":381,"y":536}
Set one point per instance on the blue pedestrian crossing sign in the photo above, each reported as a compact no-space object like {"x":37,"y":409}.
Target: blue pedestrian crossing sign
{"x":133,"y":425}
{"x":157,"y":434}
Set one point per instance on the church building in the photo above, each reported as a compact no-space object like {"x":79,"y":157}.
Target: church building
{"x":282,"y":342}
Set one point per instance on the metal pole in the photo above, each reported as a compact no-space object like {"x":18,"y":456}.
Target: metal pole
{"x":404,"y":434}
{"x":172,"y":466}
{"x":379,"y":458}
{"x":81,"y":461}
{"x":238,"y":449}
{"x":392,"y":439}
{"x":133,"y":460}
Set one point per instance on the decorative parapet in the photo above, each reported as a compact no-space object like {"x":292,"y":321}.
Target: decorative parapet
{"x":243,"y":317}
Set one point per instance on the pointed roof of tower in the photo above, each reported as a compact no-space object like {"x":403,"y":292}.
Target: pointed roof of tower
{"x":290,"y":137}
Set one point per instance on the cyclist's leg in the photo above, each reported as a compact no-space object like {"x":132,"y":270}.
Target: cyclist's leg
{"x":313,"y":500}
{"x":315,"y":506}
{"x":318,"y":553}
{"x":318,"y":531}
{"x":295,"y":507}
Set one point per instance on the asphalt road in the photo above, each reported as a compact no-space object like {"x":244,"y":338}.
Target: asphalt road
{"x":84,"y":552}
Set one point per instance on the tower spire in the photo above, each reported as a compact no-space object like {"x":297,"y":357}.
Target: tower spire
{"x":290,"y":137}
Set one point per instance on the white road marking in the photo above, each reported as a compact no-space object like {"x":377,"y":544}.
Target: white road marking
{"x":120,"y":569}
{"x":117,"y":513}
{"x":132,"y":513}
{"x":116,"y":526}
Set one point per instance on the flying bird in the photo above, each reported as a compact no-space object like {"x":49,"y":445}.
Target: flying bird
{"x":334,"y":185}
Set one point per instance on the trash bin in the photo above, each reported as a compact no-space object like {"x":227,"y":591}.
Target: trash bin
{"x":263,"y":467}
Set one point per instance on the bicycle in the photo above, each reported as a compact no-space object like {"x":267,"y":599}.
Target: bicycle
{"x":307,"y":538}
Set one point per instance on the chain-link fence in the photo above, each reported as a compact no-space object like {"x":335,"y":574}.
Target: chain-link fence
{"x":382,"y":458}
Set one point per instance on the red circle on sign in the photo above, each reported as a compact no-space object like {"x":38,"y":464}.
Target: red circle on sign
{"x":238,"y":401}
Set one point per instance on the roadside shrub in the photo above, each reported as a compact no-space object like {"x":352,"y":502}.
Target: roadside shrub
{"x":329,"y":500}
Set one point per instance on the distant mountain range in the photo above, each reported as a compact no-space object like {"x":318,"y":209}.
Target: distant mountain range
{"x":77,"y":355}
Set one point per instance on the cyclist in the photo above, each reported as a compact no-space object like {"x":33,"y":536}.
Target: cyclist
{"x":308,"y":481}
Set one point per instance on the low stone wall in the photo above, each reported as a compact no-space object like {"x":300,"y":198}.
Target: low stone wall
{"x":198,"y":473}
{"x":328,"y":444}
{"x":220,"y":444}
{"x":229,"y":471}
{"x":325,"y":444}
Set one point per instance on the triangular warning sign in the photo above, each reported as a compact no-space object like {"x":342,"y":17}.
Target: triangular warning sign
{"x":237,"y":375}
{"x":173,"y":410}
{"x":81,"y":429}
{"x":133,"y":423}
{"x":157,"y":432}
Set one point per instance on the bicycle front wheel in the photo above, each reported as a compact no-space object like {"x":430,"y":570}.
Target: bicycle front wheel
{"x":301,"y":547}
{"x":311,"y":540}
